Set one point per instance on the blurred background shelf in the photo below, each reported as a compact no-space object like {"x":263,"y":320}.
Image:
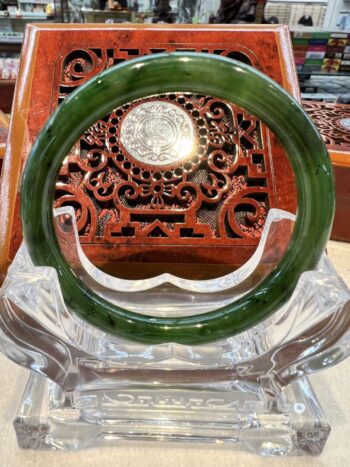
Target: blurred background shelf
{"x":322,"y":51}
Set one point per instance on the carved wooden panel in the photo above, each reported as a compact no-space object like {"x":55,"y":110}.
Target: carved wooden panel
{"x":333,"y":122}
{"x":220,"y":194}
{"x":209,"y":207}
{"x":222,"y":191}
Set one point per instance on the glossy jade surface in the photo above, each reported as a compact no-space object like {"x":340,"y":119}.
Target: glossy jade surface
{"x":216,"y":76}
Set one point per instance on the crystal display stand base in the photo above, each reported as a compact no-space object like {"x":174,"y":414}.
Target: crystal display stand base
{"x":289,"y":423}
{"x":90,"y":388}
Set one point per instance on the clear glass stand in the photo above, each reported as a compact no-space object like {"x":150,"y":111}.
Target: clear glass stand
{"x":287,"y":422}
{"x":89,"y":388}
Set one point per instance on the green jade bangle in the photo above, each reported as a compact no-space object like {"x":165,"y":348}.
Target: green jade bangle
{"x":182,"y":72}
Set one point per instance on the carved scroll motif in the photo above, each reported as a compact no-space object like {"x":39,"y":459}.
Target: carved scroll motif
{"x":332,"y":121}
{"x":223,"y":191}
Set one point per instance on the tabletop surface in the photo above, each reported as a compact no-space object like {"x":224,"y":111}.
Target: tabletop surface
{"x":332,"y":388}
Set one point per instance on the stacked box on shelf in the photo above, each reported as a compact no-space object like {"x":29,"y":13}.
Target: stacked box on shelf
{"x":8,"y":68}
{"x":321,"y":51}
{"x":337,"y":51}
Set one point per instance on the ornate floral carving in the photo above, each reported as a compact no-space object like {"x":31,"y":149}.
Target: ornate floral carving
{"x":223,"y":178}
{"x":329,"y":119}
{"x":220,"y":190}
{"x":158,"y":133}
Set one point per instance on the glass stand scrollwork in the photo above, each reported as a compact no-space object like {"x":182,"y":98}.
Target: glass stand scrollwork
{"x":89,"y":388}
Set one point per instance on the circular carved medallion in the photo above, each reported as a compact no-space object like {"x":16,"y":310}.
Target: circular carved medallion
{"x":345,"y":123}
{"x":158,"y":133}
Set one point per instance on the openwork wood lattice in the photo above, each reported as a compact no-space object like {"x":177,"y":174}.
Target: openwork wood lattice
{"x":219,"y":195}
{"x":333,"y":122}
{"x":222,"y":191}
{"x":209,"y":209}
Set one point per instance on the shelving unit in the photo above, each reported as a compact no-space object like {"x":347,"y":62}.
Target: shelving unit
{"x":11,"y":37}
{"x":289,"y":12}
{"x":322,"y":59}
{"x":43,"y":2}
{"x":320,"y":51}
{"x":12,"y":30}
{"x":324,"y":13}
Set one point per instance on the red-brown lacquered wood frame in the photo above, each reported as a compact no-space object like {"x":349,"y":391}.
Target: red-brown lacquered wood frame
{"x":221,"y":221}
{"x":330,"y":119}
